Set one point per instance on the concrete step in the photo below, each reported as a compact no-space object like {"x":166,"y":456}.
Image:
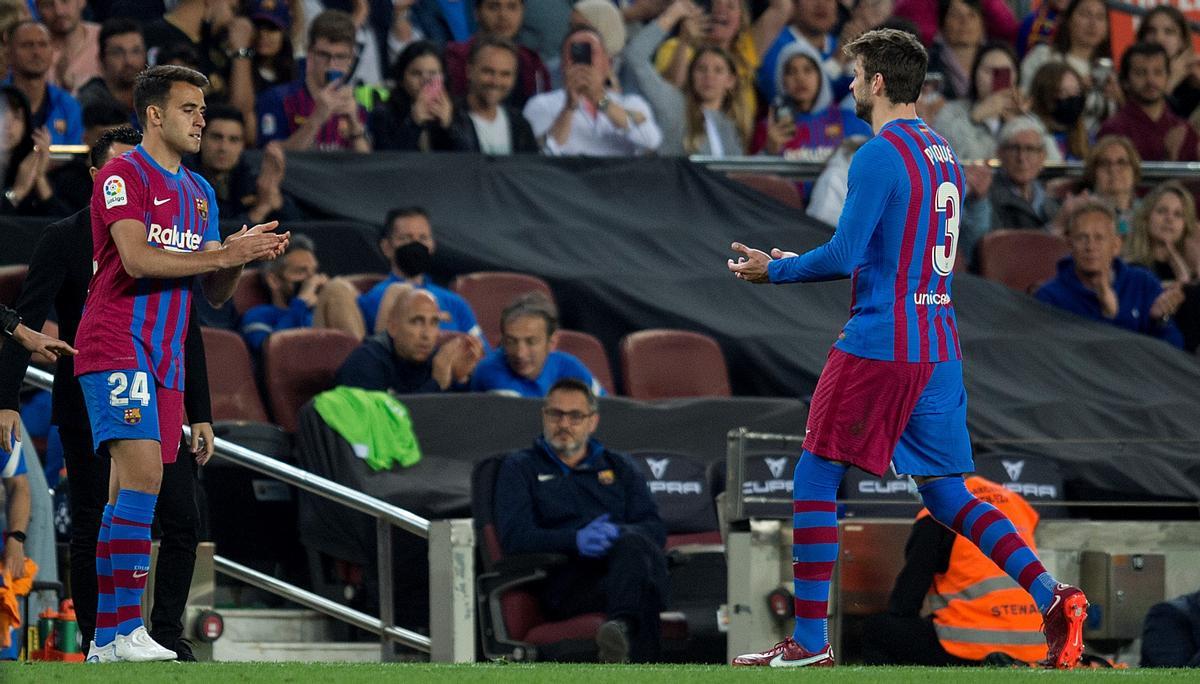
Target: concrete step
{"x":295,"y":652}
{"x":271,"y":625}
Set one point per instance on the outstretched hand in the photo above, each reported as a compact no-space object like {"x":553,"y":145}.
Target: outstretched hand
{"x":751,"y":266}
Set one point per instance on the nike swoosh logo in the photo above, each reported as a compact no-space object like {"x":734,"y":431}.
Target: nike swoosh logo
{"x":159,"y":202}
{"x":778,"y":661}
{"x":1057,"y":599}
{"x":139,"y":575}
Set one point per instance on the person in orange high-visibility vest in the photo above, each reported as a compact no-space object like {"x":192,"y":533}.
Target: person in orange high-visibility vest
{"x":975,"y":609}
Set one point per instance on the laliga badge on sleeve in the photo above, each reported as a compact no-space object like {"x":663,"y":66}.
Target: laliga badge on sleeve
{"x":114,"y":192}
{"x":606,"y":477}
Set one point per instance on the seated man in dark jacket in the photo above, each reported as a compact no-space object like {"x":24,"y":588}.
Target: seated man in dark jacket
{"x":569,"y":494}
{"x":1171,"y":634}
{"x":405,"y":358}
{"x":1094,"y":283}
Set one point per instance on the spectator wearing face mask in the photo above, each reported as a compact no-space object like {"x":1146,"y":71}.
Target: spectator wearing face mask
{"x":1057,"y":99}
{"x":407,"y":243}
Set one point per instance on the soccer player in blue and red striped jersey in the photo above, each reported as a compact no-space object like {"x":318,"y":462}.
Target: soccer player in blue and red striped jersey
{"x":892,"y":390}
{"x":154,"y":227}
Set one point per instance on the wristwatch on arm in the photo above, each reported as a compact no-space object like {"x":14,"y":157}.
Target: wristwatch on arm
{"x":9,"y":320}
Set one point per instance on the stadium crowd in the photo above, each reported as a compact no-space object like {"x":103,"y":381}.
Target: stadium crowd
{"x":667,"y":77}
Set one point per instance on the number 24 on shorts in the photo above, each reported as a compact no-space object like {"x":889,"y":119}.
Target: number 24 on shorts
{"x":138,"y":389}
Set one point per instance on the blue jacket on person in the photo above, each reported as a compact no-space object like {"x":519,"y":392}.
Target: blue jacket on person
{"x":1136,"y":289}
{"x":541,"y":503}
{"x":60,"y":114}
{"x":462,"y":318}
{"x":494,"y":374}
{"x":260,"y":321}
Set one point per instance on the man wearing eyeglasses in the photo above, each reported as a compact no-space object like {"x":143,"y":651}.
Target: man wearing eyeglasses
{"x":570,"y":494}
{"x":1016,"y":198}
{"x":318,"y":111}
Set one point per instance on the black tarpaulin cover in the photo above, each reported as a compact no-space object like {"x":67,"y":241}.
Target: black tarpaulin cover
{"x":633,"y":244}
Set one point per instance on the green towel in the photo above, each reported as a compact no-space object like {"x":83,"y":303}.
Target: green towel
{"x":375,"y":424}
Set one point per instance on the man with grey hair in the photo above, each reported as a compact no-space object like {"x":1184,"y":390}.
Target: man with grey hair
{"x":1095,"y":283}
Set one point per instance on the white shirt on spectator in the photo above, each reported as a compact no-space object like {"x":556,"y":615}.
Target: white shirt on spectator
{"x":494,"y":136}
{"x":594,"y":135}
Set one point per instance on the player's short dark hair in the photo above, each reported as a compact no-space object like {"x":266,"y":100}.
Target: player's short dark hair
{"x":531,"y":304}
{"x":398,"y":213}
{"x":576,"y":385}
{"x":496,"y":42}
{"x":1143,"y":49}
{"x":125,"y":135}
{"x":224,"y":112}
{"x":153,"y":86}
{"x":117,"y":26}
{"x":1085,"y":207}
{"x":334,"y":26}
{"x":104,"y":113}
{"x":898,"y":56}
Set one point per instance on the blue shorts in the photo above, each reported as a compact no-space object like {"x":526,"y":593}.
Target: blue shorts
{"x":869,"y":413}
{"x":130,"y":404}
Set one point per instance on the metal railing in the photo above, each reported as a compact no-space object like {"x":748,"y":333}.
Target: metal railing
{"x":386,"y":516}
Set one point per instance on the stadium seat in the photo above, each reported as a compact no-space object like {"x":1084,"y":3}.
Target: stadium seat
{"x":231,"y":377}
{"x":765,"y":475}
{"x":889,"y":496}
{"x":1020,"y":259}
{"x":776,"y":187}
{"x":488,"y":292}
{"x":299,"y":364}
{"x":11,"y":279}
{"x":250,"y":291}
{"x":591,"y":352}
{"x":680,"y":487}
{"x":663,"y":364}
{"x":511,"y":623}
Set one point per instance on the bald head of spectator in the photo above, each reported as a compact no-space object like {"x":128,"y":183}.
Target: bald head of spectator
{"x":413,"y":325}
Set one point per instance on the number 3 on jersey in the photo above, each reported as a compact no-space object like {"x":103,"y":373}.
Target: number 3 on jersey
{"x":139,"y":388}
{"x":948,"y":203}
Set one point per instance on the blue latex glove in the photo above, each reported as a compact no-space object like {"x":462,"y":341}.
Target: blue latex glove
{"x":596,"y":538}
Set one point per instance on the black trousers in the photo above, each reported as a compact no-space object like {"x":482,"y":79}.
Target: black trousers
{"x":896,"y":640}
{"x":177,"y":524}
{"x":630,"y":583}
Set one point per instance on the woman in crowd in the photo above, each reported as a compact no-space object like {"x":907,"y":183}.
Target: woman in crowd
{"x":418,"y":114}
{"x":1082,"y":42}
{"x":1167,"y":26}
{"x":1057,"y":99}
{"x":706,"y":116}
{"x":957,"y":45}
{"x":25,"y":158}
{"x":727,"y":26}
{"x":274,"y":56}
{"x":970,"y":124}
{"x":805,"y":123}
{"x":1164,"y":239}
{"x":1112,"y":170}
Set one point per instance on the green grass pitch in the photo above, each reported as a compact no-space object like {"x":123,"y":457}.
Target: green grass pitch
{"x":334,"y":673}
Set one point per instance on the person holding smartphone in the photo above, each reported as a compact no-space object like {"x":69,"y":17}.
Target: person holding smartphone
{"x":318,"y":111}
{"x":972,"y":123}
{"x":419,"y":114}
{"x":589,"y":115}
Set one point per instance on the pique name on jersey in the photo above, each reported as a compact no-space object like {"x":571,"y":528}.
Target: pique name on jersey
{"x":939,"y":154}
{"x":172,"y":239}
{"x":931,"y":299}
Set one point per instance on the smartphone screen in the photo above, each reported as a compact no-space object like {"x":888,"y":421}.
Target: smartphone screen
{"x":581,"y":53}
{"x":1001,"y":78}
{"x":334,"y":75}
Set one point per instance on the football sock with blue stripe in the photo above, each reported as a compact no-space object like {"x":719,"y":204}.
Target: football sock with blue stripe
{"x":129,"y":547}
{"x":953,"y":505}
{"x":106,"y":602}
{"x":814,"y":546}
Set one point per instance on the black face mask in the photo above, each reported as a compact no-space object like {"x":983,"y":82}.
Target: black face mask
{"x":413,"y":259}
{"x":1067,"y":110}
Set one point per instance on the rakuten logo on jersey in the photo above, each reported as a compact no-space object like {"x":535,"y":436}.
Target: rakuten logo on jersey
{"x":172,"y":239}
{"x":931,"y":299}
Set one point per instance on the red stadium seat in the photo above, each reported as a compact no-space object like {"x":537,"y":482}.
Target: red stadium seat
{"x":776,"y":187}
{"x":298,"y":364}
{"x":662,"y":364}
{"x":1020,"y":259}
{"x":250,"y":291}
{"x":591,"y":352}
{"x":231,"y":377}
{"x":11,"y":279}
{"x":488,"y":292}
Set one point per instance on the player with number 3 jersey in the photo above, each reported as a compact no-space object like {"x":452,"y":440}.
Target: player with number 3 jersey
{"x":154,"y":228}
{"x":892,"y":388}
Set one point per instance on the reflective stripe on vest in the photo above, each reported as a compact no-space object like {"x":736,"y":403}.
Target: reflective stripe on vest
{"x":992,"y":637}
{"x":977,"y":590}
